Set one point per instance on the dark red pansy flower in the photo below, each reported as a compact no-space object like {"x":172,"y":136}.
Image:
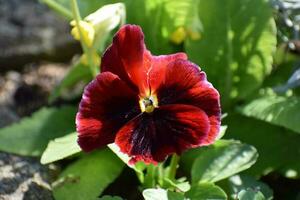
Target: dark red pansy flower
{"x":150,"y":106}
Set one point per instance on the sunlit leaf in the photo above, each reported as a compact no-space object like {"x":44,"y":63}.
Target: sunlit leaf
{"x":278,"y":148}
{"x":161,"y":194}
{"x":278,"y":110}
{"x":31,"y":135}
{"x":250,"y":195}
{"x":204,"y":191}
{"x":181,"y":186}
{"x":222,"y":160}
{"x":238,"y":183}
{"x":88,"y":177}
{"x":236,"y":46}
{"x":60,"y":148}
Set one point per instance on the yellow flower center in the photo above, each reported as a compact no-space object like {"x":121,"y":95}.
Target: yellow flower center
{"x":148,"y":104}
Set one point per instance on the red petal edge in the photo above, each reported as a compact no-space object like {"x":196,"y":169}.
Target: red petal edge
{"x":159,"y":67}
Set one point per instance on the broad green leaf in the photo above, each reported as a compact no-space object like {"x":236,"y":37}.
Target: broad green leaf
{"x":88,"y":177}
{"x":236,"y":46}
{"x":79,"y":73}
{"x":204,"y":191}
{"x":179,"y":185}
{"x":31,"y":135}
{"x":278,"y":148}
{"x":222,"y":160}
{"x":151,"y":15}
{"x":250,"y":195}
{"x":161,"y":194}
{"x":60,"y":148}
{"x":238,"y":183}
{"x":278,"y":110}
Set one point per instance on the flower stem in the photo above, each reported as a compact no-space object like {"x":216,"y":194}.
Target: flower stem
{"x":86,"y":49}
{"x":173,"y":167}
{"x":150,"y":180}
{"x":58,"y":8}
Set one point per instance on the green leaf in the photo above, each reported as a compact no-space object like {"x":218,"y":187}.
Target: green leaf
{"x":60,"y":148}
{"x":107,"y":197}
{"x":79,"y":73}
{"x":85,"y":7}
{"x":31,"y":135}
{"x":278,"y":148}
{"x":181,"y":14}
{"x":222,"y":132}
{"x":250,"y":195}
{"x":137,"y":167}
{"x":222,"y":160}
{"x":238,"y":183}
{"x":88,"y":177}
{"x":237,"y":43}
{"x":151,"y":15}
{"x":278,"y":110}
{"x":180,"y":185}
{"x":161,"y":194}
{"x":204,"y":191}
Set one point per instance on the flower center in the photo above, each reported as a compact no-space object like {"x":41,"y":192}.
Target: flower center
{"x":148,"y":104}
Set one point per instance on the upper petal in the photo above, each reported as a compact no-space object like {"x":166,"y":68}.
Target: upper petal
{"x":158,"y":70}
{"x":128,"y":57}
{"x":107,"y":104}
{"x":185,"y":83}
{"x":169,"y":129}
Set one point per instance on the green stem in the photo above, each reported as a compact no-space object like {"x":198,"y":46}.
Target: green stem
{"x":149,"y":181}
{"x":160,"y":173}
{"x":88,"y":52}
{"x":58,"y":8}
{"x":173,"y":167}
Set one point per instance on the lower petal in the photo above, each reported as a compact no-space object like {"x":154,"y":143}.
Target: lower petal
{"x":169,"y":129}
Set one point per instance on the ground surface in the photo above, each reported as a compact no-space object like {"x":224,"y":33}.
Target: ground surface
{"x":34,"y":43}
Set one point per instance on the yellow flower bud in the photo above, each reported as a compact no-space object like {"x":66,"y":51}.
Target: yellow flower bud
{"x":96,"y":25}
{"x":96,"y":59}
{"x":178,"y":36}
{"x":194,"y":35}
{"x":87,"y":31}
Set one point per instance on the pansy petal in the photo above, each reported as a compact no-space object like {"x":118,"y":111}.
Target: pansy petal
{"x":107,"y":104}
{"x":169,"y":129}
{"x":185,"y":83}
{"x":159,"y":65}
{"x":128,"y":58}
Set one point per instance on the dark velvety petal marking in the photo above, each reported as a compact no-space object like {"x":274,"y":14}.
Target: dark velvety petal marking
{"x":169,"y":129}
{"x":185,"y":83}
{"x":159,"y":65}
{"x":107,"y":104}
{"x":128,"y":58}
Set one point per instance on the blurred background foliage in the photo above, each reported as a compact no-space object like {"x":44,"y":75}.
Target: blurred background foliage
{"x":250,"y":52}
